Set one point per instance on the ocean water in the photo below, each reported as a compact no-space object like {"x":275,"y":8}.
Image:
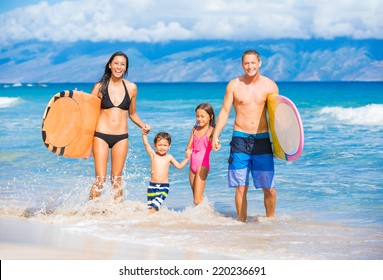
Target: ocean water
{"x":329,"y":201}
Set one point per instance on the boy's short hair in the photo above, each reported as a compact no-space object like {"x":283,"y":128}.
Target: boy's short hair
{"x":162,"y":135}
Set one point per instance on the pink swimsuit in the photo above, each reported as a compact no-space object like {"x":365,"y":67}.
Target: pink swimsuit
{"x":201,"y":149}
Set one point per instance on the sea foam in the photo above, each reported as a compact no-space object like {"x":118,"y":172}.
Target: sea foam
{"x":370,"y":115}
{"x":6,"y":102}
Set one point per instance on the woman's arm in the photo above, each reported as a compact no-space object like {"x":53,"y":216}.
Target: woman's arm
{"x":96,"y":89}
{"x":132,"y":88}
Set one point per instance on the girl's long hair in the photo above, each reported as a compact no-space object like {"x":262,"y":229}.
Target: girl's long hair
{"x":108,"y":73}
{"x":208,"y":109}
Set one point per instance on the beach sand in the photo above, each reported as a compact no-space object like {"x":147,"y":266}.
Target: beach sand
{"x":22,"y":239}
{"x":33,"y":250}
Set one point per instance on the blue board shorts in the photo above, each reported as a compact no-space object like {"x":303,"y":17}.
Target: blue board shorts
{"x":251,"y":153}
{"x":156,"y":194}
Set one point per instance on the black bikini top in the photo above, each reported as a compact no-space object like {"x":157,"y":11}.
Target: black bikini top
{"x":106,"y":103}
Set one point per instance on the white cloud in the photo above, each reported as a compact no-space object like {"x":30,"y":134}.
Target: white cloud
{"x":164,"y":20}
{"x":349,"y":18}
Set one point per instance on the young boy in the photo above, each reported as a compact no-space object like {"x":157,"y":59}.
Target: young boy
{"x":160,"y":161}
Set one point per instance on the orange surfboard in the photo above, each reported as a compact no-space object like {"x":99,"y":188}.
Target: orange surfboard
{"x":69,"y":123}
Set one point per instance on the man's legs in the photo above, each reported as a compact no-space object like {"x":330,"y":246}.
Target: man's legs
{"x":270,"y":201}
{"x":241,"y":202}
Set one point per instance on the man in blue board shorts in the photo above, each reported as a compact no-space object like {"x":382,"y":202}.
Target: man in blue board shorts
{"x":250,"y":148}
{"x":251,"y":153}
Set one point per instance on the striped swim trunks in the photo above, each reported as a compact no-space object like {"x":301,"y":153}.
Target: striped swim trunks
{"x":157,"y":193}
{"x":251,"y":153}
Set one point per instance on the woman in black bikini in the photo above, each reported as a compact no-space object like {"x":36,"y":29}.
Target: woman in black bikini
{"x":118,"y":102}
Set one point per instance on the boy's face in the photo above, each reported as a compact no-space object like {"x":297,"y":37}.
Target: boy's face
{"x":162,"y":146}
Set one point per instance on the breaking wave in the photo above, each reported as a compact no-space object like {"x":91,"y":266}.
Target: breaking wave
{"x":369,"y":115}
{"x":6,"y":102}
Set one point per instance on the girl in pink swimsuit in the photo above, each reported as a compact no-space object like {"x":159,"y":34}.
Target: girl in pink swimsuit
{"x":200,"y":147}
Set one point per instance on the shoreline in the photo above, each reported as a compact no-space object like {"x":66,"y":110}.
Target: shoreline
{"x":30,"y":240}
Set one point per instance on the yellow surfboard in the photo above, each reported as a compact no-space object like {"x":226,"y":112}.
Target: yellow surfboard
{"x":69,"y":123}
{"x":286,"y":127}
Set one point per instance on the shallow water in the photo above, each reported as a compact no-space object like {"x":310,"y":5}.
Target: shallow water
{"x":329,"y":200}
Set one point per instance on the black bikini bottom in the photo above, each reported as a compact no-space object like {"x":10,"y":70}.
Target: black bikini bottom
{"x":111,"y":139}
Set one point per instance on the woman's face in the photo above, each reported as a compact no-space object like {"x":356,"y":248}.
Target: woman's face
{"x":118,"y":66}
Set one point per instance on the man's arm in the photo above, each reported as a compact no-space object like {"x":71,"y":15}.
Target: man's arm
{"x":223,"y":114}
{"x":273,"y":87}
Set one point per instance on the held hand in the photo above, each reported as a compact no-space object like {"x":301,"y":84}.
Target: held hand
{"x":144,"y":131}
{"x":216,"y":144}
{"x":146,"y":128}
{"x":188,"y":153}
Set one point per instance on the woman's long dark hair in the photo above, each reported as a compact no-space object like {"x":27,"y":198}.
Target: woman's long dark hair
{"x":107,"y":72}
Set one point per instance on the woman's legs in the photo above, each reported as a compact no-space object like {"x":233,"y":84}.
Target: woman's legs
{"x":100,"y":153}
{"x":119,"y":154}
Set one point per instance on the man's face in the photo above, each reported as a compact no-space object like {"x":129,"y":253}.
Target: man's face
{"x":251,"y":64}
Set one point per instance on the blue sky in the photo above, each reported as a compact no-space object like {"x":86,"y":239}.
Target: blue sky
{"x":166,"y":20}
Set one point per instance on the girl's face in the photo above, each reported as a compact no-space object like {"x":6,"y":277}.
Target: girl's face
{"x":118,"y":66}
{"x":202,"y":117}
{"x":162,"y":146}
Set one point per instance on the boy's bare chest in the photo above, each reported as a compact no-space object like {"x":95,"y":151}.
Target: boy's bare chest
{"x":161,"y":160}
